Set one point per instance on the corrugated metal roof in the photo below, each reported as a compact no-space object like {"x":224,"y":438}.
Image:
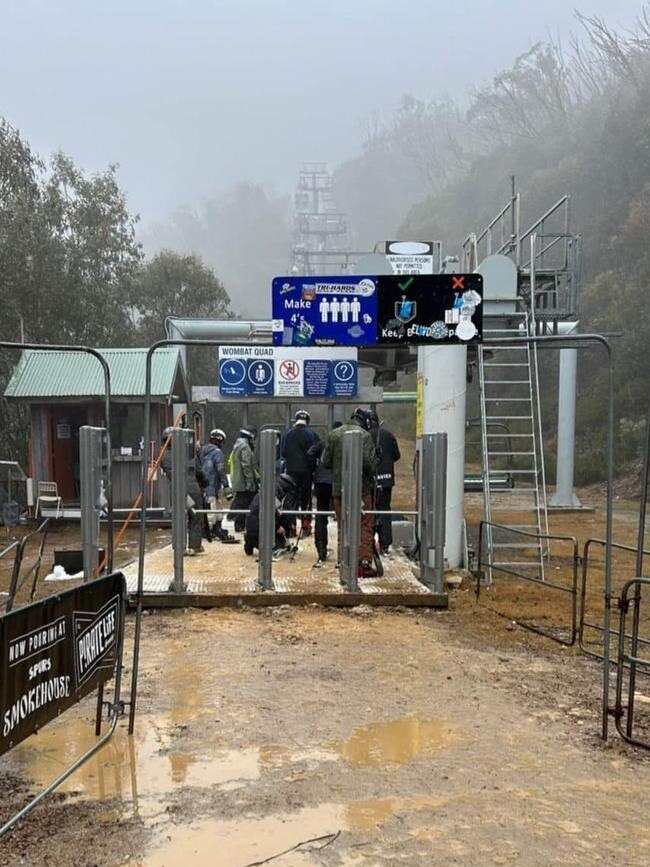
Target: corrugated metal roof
{"x":50,"y":374}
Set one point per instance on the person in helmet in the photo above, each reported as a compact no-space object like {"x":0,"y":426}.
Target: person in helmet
{"x":299,"y":463}
{"x":244,"y":475}
{"x":213,"y":464}
{"x":388,"y":454}
{"x":323,"y":493}
{"x":332,"y":458}
{"x":285,"y":498}
{"x":195,"y":480}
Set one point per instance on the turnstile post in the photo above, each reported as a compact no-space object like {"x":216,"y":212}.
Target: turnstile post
{"x":351,"y":501}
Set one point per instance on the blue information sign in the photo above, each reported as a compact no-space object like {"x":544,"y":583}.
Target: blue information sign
{"x":260,"y":376}
{"x":344,"y":378}
{"x":324,"y":311}
{"x":233,"y":377}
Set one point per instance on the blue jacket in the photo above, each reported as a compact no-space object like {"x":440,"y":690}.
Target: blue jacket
{"x":213,"y":464}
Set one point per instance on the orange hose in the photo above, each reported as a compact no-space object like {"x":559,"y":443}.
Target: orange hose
{"x":138,"y":500}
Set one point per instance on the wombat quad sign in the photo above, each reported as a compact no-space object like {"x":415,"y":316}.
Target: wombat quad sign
{"x":378,"y":311}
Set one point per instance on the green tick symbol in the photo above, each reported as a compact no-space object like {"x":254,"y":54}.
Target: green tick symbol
{"x":405,"y":286}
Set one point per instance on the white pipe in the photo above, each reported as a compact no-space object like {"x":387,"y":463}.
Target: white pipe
{"x":444,"y":407}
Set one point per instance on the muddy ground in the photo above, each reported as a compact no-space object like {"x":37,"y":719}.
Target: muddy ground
{"x":392,"y":736}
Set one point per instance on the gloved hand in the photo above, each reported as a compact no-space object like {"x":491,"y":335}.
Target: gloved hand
{"x":227,"y":492}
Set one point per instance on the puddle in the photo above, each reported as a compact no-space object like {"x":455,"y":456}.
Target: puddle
{"x":242,"y":841}
{"x":143,"y":768}
{"x":395,"y":742}
{"x":132,"y":769}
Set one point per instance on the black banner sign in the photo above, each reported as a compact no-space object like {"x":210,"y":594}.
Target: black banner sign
{"x":54,"y":652}
{"x":430,"y":309}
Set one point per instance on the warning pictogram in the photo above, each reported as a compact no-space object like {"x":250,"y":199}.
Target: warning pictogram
{"x":289,"y":369}
{"x":289,"y":377}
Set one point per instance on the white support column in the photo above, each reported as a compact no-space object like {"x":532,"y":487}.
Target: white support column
{"x":444,"y":408}
{"x":564,"y":497}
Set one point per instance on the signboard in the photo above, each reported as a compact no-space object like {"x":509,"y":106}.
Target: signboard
{"x":324,"y":311}
{"x":379,"y":310}
{"x":54,"y":652}
{"x":413,"y":257}
{"x":439,"y":308}
{"x":249,"y":371}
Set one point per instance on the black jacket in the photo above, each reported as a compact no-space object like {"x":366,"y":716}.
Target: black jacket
{"x":322,"y":475}
{"x":295,"y":449}
{"x":389,"y":454}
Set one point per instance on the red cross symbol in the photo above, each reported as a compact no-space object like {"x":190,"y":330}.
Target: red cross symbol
{"x":457,"y":283}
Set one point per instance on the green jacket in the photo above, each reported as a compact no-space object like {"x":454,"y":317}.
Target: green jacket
{"x":244,"y":467}
{"x":332,"y":457}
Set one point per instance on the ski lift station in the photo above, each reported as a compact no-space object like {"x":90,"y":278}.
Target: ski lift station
{"x":466,"y":354}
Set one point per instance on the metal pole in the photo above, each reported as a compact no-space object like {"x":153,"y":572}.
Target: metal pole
{"x":439,"y":508}
{"x":351,"y":501}
{"x":90,"y":462}
{"x":634,"y":644}
{"x":566,"y":428}
{"x":434,"y":507}
{"x":267,"y":446}
{"x":180,"y":446}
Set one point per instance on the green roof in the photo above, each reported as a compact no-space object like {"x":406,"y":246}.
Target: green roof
{"x":44,"y":374}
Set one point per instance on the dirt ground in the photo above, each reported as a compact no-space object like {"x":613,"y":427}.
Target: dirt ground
{"x":383,"y":737}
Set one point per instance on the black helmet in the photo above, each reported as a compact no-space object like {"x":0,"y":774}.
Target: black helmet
{"x":302,"y":416}
{"x":362,"y":418}
{"x":217,"y":435}
{"x":249,"y":432}
{"x":284,"y":485}
{"x":167,"y":433}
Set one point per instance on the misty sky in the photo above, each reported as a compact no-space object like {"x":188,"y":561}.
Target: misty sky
{"x":190,"y":97}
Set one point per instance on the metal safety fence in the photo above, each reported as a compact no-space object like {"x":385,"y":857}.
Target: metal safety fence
{"x":568,"y":565}
{"x":632,"y":726}
{"x":591,"y":632}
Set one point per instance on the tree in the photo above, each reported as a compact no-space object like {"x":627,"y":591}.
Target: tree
{"x":175,"y":284}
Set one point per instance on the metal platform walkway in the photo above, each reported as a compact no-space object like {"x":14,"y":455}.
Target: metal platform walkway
{"x":225,"y":577}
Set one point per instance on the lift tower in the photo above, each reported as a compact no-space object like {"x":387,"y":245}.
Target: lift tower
{"x":321,"y":242}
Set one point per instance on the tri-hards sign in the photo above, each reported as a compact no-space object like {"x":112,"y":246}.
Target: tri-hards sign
{"x":54,"y":652}
{"x":253,"y":371}
{"x":380,"y":310}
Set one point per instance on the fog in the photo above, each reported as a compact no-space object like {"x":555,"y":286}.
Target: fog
{"x":192,"y":99}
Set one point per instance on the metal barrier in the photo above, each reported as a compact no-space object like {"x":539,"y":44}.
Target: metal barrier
{"x":434,"y":509}
{"x":94,"y":446}
{"x":629,"y":662}
{"x":571,"y":590}
{"x":583,"y":622}
{"x":351,"y":502}
{"x":268,"y":444}
{"x":33,"y":571}
{"x":76,"y":665}
{"x":15,"y":547}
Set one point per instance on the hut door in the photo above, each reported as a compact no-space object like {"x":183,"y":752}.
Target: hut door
{"x":64,"y":436}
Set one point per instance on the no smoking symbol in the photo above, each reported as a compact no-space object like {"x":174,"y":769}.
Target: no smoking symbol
{"x":290,"y":370}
